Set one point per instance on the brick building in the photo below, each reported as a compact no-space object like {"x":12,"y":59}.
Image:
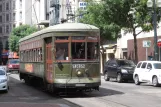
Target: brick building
{"x":141,"y":49}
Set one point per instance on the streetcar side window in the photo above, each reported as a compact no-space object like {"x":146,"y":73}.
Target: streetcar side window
{"x":92,"y":50}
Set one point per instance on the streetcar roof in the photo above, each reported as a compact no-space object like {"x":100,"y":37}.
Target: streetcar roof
{"x":63,"y":27}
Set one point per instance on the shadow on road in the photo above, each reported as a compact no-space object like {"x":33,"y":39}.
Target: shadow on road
{"x":101,"y":93}
{"x":129,"y":81}
{"x":20,"y":92}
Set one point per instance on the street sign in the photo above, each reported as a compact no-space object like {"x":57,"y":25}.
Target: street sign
{"x":146,"y":43}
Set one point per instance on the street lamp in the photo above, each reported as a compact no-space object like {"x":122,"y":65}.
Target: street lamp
{"x":153,"y":4}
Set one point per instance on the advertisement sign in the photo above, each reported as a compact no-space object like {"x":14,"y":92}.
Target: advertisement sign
{"x":29,"y":67}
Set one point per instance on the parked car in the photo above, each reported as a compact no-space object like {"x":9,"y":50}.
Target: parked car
{"x":13,"y":65}
{"x":4,"y":80}
{"x":120,"y":69}
{"x":148,"y":72}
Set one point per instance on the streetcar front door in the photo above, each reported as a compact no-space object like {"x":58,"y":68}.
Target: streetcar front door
{"x":49,"y":60}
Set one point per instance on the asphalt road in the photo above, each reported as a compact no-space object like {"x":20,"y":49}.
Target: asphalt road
{"x":111,"y":94}
{"x":22,"y":95}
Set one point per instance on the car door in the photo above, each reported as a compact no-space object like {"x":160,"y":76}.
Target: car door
{"x":113,"y":69}
{"x":106,"y":67}
{"x":109,"y":68}
{"x":142,"y":74}
{"x":148,"y":72}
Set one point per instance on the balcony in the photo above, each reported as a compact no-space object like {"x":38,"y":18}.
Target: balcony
{"x":53,"y":3}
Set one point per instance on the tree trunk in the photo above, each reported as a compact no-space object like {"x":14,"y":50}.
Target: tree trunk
{"x":135,"y":46}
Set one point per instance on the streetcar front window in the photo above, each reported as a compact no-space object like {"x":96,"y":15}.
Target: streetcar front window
{"x":61,"y":51}
{"x":78,"y":50}
{"x":78,"y":47}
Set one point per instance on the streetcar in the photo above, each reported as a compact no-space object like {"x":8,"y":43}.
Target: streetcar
{"x":63,"y":56}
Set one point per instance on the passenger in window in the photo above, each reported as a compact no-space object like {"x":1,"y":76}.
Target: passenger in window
{"x":60,"y":54}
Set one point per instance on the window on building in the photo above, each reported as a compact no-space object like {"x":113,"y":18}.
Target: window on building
{"x":7,"y":17}
{"x":20,"y":15}
{"x":14,"y":25}
{"x":1,"y":8}
{"x":20,"y":24}
{"x":7,"y":6}
{"x":7,"y":28}
{"x":10,"y":27}
{"x":0,"y":29}
{"x":14,"y":5}
{"x":20,"y":4}
{"x":14,"y":16}
{"x":47,"y":16}
{"x":0,"y":18}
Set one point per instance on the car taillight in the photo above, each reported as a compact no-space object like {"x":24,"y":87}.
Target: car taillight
{"x":10,"y":66}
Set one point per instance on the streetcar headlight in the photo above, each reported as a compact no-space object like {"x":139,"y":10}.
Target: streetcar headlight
{"x":79,"y":73}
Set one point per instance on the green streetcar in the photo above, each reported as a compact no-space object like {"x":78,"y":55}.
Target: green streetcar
{"x":62,"y":56}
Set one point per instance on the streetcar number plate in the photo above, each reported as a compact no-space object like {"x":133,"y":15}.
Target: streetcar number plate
{"x":78,"y":65}
{"x":80,"y":85}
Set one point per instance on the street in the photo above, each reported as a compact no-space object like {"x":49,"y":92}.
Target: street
{"x":111,"y":94}
{"x":21,"y":95}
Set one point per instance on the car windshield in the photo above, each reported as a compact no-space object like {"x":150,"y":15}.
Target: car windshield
{"x":2,"y":72}
{"x":157,"y":65}
{"x":14,"y":61}
{"x":126,"y":63}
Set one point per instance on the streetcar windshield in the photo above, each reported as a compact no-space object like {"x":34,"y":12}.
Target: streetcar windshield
{"x":84,"y":49}
{"x":81,"y":48}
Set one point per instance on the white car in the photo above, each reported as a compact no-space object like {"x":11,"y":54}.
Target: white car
{"x":148,"y":72}
{"x":4,"y":80}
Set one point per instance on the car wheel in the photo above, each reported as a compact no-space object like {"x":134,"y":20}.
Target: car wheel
{"x":155,"y":81}
{"x":6,"y":91}
{"x":136,"y":80}
{"x":106,"y":77}
{"x":119,"y":78}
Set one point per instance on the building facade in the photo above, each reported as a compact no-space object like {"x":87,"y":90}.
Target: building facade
{"x":61,"y":10}
{"x":14,"y":13}
{"x":125,"y":44}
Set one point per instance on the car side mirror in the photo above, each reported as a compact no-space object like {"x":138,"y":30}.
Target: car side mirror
{"x":149,"y":68}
